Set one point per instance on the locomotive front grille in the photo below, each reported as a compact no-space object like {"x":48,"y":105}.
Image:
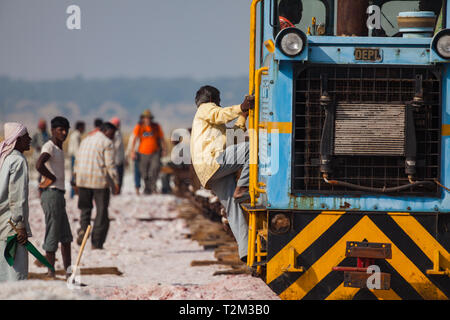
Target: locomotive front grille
{"x":370,"y":129}
{"x":369,"y":133}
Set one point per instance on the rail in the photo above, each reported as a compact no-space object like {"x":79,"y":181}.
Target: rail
{"x":251,"y":73}
{"x":254,"y":185}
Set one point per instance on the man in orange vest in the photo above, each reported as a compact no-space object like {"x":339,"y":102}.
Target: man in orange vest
{"x":151,"y":147}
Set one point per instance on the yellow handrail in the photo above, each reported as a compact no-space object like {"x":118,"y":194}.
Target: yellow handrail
{"x":254,"y":186}
{"x":251,"y":84}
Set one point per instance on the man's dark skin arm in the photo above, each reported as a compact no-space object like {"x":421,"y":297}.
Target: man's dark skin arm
{"x":42,"y":169}
{"x":249,"y":103}
{"x":22,"y":145}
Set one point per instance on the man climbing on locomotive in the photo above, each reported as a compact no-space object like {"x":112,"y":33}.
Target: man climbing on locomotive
{"x":216,"y":162}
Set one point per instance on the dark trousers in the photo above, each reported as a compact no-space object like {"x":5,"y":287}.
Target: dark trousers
{"x":120,"y":169}
{"x":165,"y":182}
{"x":149,"y":165}
{"x":72,"y":179}
{"x":101,"y":222}
{"x":137,"y":174}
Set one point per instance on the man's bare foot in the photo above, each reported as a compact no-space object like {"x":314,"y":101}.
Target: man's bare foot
{"x":137,"y":191}
{"x":38,"y":263}
{"x":51,"y":275}
{"x":80,"y":236}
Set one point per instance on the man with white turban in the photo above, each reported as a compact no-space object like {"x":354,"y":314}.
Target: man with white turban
{"x":14,"y":199}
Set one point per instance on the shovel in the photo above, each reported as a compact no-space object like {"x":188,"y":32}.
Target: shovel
{"x":77,"y":263}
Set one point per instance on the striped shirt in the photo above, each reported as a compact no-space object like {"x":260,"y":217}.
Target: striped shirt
{"x":94,"y":162}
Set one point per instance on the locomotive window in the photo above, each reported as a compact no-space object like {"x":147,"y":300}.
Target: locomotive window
{"x":391,"y":10}
{"x":299,"y":14}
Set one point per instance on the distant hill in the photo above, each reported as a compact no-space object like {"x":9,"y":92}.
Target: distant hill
{"x":170,"y":100}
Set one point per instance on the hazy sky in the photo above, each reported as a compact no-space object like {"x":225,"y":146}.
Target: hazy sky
{"x":132,"y":38}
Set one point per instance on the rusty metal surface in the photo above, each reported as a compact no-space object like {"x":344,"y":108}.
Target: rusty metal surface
{"x":368,"y":250}
{"x":352,"y":18}
{"x":349,"y":269}
{"x":359,"y":280}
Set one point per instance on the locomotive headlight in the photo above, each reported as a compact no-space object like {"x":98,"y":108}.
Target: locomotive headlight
{"x":443,"y":46}
{"x":291,"y":41}
{"x":441,"y":43}
{"x":280,"y":223}
{"x":291,"y":44}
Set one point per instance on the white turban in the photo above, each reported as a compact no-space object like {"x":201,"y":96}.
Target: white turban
{"x":13,"y":130}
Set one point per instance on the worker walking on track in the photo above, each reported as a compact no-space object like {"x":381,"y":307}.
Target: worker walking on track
{"x":151,"y":148}
{"x":94,"y":169}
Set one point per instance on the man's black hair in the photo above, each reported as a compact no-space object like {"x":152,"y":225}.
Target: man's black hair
{"x":428,"y":5}
{"x":105,"y":126}
{"x":98,"y":122}
{"x":291,"y":10}
{"x":60,"y":122}
{"x":79,"y":125}
{"x":207,"y":94}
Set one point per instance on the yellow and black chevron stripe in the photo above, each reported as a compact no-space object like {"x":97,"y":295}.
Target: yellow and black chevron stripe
{"x":320,"y":240}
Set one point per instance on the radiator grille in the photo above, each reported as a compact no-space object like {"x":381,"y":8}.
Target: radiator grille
{"x":364,"y":85}
{"x":370,"y":129}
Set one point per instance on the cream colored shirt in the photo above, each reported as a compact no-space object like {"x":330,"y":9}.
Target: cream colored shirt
{"x":94,"y":164}
{"x":208,"y":137}
{"x":13,"y":194}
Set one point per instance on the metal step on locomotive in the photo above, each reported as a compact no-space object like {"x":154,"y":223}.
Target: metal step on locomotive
{"x":350,"y":148}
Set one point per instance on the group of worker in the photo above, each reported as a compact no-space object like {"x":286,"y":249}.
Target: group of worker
{"x":97,"y":166}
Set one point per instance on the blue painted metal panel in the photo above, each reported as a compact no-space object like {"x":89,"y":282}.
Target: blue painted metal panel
{"x":371,"y":41}
{"x":447,"y":23}
{"x":278,"y":182}
{"x":389,"y":55}
{"x":340,"y":50}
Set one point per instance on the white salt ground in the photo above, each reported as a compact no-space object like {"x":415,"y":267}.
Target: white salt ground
{"x":154,"y":256}
{"x":41,"y":290}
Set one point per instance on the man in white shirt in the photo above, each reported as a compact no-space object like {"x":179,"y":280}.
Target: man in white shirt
{"x":119,"y":151}
{"x":74,"y":145}
{"x":14,"y":199}
{"x":51,"y":166}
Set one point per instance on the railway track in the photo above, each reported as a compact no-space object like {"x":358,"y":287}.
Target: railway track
{"x":208,"y":226}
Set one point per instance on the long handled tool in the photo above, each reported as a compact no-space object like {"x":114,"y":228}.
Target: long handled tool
{"x":77,"y":263}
